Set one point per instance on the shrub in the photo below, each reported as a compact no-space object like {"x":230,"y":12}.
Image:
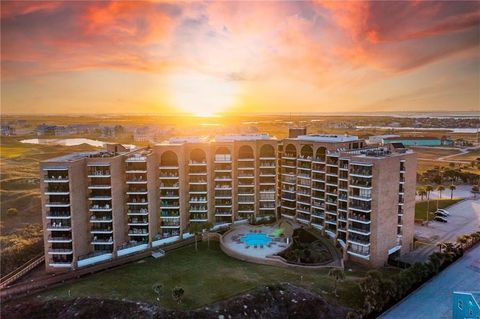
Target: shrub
{"x":12,"y":212}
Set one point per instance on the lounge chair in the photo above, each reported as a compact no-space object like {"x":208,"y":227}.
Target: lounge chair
{"x":246,"y":247}
{"x":254,"y":246}
{"x":261,"y":246}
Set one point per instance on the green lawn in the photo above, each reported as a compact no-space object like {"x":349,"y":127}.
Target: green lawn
{"x":207,"y":277}
{"x":421,"y":207}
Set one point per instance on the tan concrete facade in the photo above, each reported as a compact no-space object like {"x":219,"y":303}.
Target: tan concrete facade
{"x":363,"y":198}
{"x":103,"y":205}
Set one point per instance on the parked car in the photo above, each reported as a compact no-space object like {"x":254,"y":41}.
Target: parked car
{"x":440,"y":219}
{"x":443,"y":211}
{"x":439,"y":213}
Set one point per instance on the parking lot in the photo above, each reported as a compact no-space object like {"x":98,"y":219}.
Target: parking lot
{"x":464,"y":219}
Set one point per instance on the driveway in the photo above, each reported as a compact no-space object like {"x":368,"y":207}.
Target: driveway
{"x":464,"y":219}
{"x":434,"y":298}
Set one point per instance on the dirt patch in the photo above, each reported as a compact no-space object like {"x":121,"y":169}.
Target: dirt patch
{"x":279,"y":301}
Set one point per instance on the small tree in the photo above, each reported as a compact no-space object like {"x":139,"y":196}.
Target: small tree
{"x":428,"y":189}
{"x":422,"y":192}
{"x":177,"y":294}
{"x":452,"y":188}
{"x":475,"y":191}
{"x":208,"y":226}
{"x":195,"y":229}
{"x":12,"y":212}
{"x":338,"y":274}
{"x":440,"y":189}
{"x":158,"y":288}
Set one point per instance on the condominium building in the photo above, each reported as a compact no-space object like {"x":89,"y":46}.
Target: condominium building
{"x":99,"y":206}
{"x":361,"y":197}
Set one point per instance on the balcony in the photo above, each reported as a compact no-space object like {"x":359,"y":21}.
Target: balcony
{"x":59,"y":226}
{"x":169,"y":186}
{"x":360,"y":183}
{"x":197,"y":163}
{"x":360,"y":206}
{"x":137,"y":212}
{"x":167,"y":176}
{"x":58,"y":215}
{"x":58,"y":179}
{"x":364,"y":254}
{"x":100,"y":198}
{"x":101,"y":241}
{"x":359,"y":230}
{"x":99,"y":174}
{"x":103,"y":219}
{"x":64,"y":239}
{"x":59,"y":251}
{"x":358,"y":241}
{"x":57,"y":204}
{"x":106,"y":230}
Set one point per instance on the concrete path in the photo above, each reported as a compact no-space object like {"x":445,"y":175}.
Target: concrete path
{"x":434,"y":298}
{"x":464,"y":219}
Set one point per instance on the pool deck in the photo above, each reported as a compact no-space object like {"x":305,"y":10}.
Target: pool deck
{"x":277,"y":245}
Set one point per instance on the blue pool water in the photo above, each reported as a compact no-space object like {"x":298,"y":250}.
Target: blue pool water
{"x":253,"y":239}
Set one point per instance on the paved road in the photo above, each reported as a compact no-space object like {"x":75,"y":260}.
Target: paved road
{"x":433,"y":299}
{"x":464,"y":219}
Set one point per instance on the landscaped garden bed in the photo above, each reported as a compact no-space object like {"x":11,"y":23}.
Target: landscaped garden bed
{"x":307,"y":249}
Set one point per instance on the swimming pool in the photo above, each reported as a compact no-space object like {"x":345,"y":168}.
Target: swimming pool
{"x":253,"y":239}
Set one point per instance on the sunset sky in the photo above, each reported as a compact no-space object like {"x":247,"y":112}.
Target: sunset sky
{"x":268,"y":57}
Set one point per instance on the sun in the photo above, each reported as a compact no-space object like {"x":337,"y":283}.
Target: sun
{"x":200,"y":94}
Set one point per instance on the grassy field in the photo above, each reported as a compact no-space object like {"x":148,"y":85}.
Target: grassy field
{"x":421,"y":207}
{"x":433,"y":153}
{"x":470,"y":156}
{"x":207,"y":276}
{"x":19,"y":179}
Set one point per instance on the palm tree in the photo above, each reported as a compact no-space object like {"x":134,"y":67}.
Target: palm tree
{"x":422,"y":192}
{"x":177,"y":294}
{"x":428,"y":189}
{"x":440,"y":189}
{"x":195,"y":229}
{"x":475,"y":191}
{"x":338,"y":274}
{"x":207,"y":226}
{"x":452,"y":188}
{"x":462,"y":240}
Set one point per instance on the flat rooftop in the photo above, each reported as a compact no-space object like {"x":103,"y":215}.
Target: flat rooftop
{"x":242,"y":137}
{"x":218,"y":138}
{"x":70,"y":157}
{"x":377,"y":152}
{"x":327,"y":138}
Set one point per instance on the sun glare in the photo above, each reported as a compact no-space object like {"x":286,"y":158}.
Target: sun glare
{"x":202,"y":95}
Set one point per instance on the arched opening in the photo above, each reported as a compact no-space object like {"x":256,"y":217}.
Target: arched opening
{"x":198,"y":156}
{"x":223,"y":154}
{"x":291,"y":150}
{"x":321,"y":154}
{"x":169,"y":158}
{"x":306,"y":151}
{"x":245,"y":152}
{"x":267,"y":151}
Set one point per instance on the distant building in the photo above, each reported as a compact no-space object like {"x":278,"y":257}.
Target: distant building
{"x":8,"y":130}
{"x":379,"y":139}
{"x":419,"y":141}
{"x":295,"y":132}
{"x":45,"y":130}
